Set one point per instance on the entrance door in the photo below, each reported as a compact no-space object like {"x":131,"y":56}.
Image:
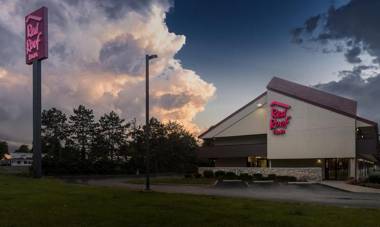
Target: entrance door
{"x":336,"y":168}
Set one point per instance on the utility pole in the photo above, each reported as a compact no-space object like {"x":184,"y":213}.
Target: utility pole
{"x":147,"y":126}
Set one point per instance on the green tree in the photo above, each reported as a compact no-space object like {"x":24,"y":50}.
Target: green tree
{"x":23,"y":149}
{"x":172,"y":147}
{"x":3,"y":149}
{"x":54,"y":132}
{"x":82,"y":131}
{"x":113,"y":134}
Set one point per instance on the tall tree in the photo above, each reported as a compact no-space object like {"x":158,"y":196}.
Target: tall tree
{"x":54,"y":132}
{"x":3,"y":149}
{"x":23,"y":149}
{"x":113,"y":131}
{"x":82,"y":130}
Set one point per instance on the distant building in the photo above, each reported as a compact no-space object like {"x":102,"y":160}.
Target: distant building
{"x":21,"y":159}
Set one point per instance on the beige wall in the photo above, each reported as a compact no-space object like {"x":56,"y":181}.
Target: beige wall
{"x":252,"y":124}
{"x":313,"y":132}
{"x":360,"y":123}
{"x":249,"y":121}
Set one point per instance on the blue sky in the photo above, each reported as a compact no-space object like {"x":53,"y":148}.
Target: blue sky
{"x":239,"y":45}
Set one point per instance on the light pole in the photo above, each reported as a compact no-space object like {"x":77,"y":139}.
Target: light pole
{"x":147,"y":127}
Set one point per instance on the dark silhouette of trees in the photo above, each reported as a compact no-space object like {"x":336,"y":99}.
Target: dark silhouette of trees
{"x":82,"y":130}
{"x":3,"y":149}
{"x":80,"y":145}
{"x":54,"y":132}
{"x":23,"y":149}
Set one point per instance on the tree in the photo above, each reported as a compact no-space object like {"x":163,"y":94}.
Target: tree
{"x":172,"y":147}
{"x":54,"y":132}
{"x":3,"y":149}
{"x":112,"y":133}
{"x":23,"y":149}
{"x":82,"y":131}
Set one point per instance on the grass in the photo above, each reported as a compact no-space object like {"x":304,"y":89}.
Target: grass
{"x":48,"y":202}
{"x":172,"y":180}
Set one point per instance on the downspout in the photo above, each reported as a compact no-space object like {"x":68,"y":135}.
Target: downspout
{"x":356,"y":153}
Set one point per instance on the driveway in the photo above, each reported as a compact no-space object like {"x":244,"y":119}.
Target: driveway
{"x":279,"y":192}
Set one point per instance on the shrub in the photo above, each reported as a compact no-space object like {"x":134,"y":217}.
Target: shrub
{"x":375,"y":178}
{"x":219,"y":174}
{"x":245,"y":177}
{"x":271,"y":176}
{"x":286,"y":178}
{"x":257,"y":176}
{"x":208,"y":174}
{"x":197,"y":175}
{"x":188,"y":175}
{"x":230,"y":175}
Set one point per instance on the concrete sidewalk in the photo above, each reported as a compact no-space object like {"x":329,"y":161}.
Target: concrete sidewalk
{"x":341,"y":185}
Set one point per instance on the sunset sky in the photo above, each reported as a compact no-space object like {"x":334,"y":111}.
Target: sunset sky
{"x":214,"y":56}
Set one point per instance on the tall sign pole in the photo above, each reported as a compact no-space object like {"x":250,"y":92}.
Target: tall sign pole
{"x":36,"y":49}
{"x":147,"y":126}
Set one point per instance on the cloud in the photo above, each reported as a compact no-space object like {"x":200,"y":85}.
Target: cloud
{"x":353,"y":84}
{"x":123,"y":55}
{"x":354,"y":24}
{"x":352,"y":55}
{"x":353,"y":30}
{"x":97,"y":58}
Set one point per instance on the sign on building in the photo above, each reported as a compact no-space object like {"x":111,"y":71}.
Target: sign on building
{"x":279,"y":118}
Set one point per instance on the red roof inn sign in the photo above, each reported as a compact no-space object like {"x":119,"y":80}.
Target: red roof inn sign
{"x":278,"y":119}
{"x":36,"y":35}
{"x":36,"y":49}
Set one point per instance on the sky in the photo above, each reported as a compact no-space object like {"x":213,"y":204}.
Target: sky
{"x":214,"y":56}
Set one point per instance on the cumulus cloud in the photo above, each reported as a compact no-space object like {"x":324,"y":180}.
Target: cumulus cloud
{"x":353,"y":30}
{"x":96,"y":57}
{"x":353,"y":26}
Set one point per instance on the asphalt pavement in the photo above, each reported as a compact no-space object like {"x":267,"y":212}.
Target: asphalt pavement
{"x":314,"y":193}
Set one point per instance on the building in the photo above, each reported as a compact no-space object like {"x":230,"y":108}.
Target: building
{"x":293,"y":130}
{"x":21,"y":159}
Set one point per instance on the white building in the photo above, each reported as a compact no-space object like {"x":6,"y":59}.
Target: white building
{"x":21,"y":159}
{"x":293,"y":129}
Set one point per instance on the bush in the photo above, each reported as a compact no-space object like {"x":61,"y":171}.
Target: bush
{"x":197,"y":175}
{"x":257,"y":176}
{"x":188,"y":175}
{"x":220,"y":174}
{"x":208,"y":174}
{"x":271,"y":176}
{"x":230,"y":176}
{"x":245,"y":177}
{"x":286,"y":178}
{"x":375,"y":178}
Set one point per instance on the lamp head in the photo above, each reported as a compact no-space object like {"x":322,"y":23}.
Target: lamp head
{"x":152,"y":56}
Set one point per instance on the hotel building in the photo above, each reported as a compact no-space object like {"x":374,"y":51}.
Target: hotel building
{"x":293,"y":130}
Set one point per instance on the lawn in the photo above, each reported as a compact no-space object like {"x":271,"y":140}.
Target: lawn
{"x":173,"y":180}
{"x":48,"y":202}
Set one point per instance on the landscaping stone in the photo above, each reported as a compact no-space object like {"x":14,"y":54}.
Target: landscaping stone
{"x":309,"y":174}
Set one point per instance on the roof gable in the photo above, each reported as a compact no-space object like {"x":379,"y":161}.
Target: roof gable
{"x":313,"y":96}
{"x":234,"y":117}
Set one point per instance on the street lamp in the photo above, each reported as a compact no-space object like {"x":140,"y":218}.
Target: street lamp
{"x":147,"y":127}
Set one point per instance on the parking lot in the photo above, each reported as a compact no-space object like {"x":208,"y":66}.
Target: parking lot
{"x":274,"y":191}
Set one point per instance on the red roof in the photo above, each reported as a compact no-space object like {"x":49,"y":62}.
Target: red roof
{"x":317,"y":97}
{"x":313,"y":96}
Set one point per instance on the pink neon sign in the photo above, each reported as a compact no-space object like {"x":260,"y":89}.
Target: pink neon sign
{"x":36,"y":36}
{"x":278,"y":118}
